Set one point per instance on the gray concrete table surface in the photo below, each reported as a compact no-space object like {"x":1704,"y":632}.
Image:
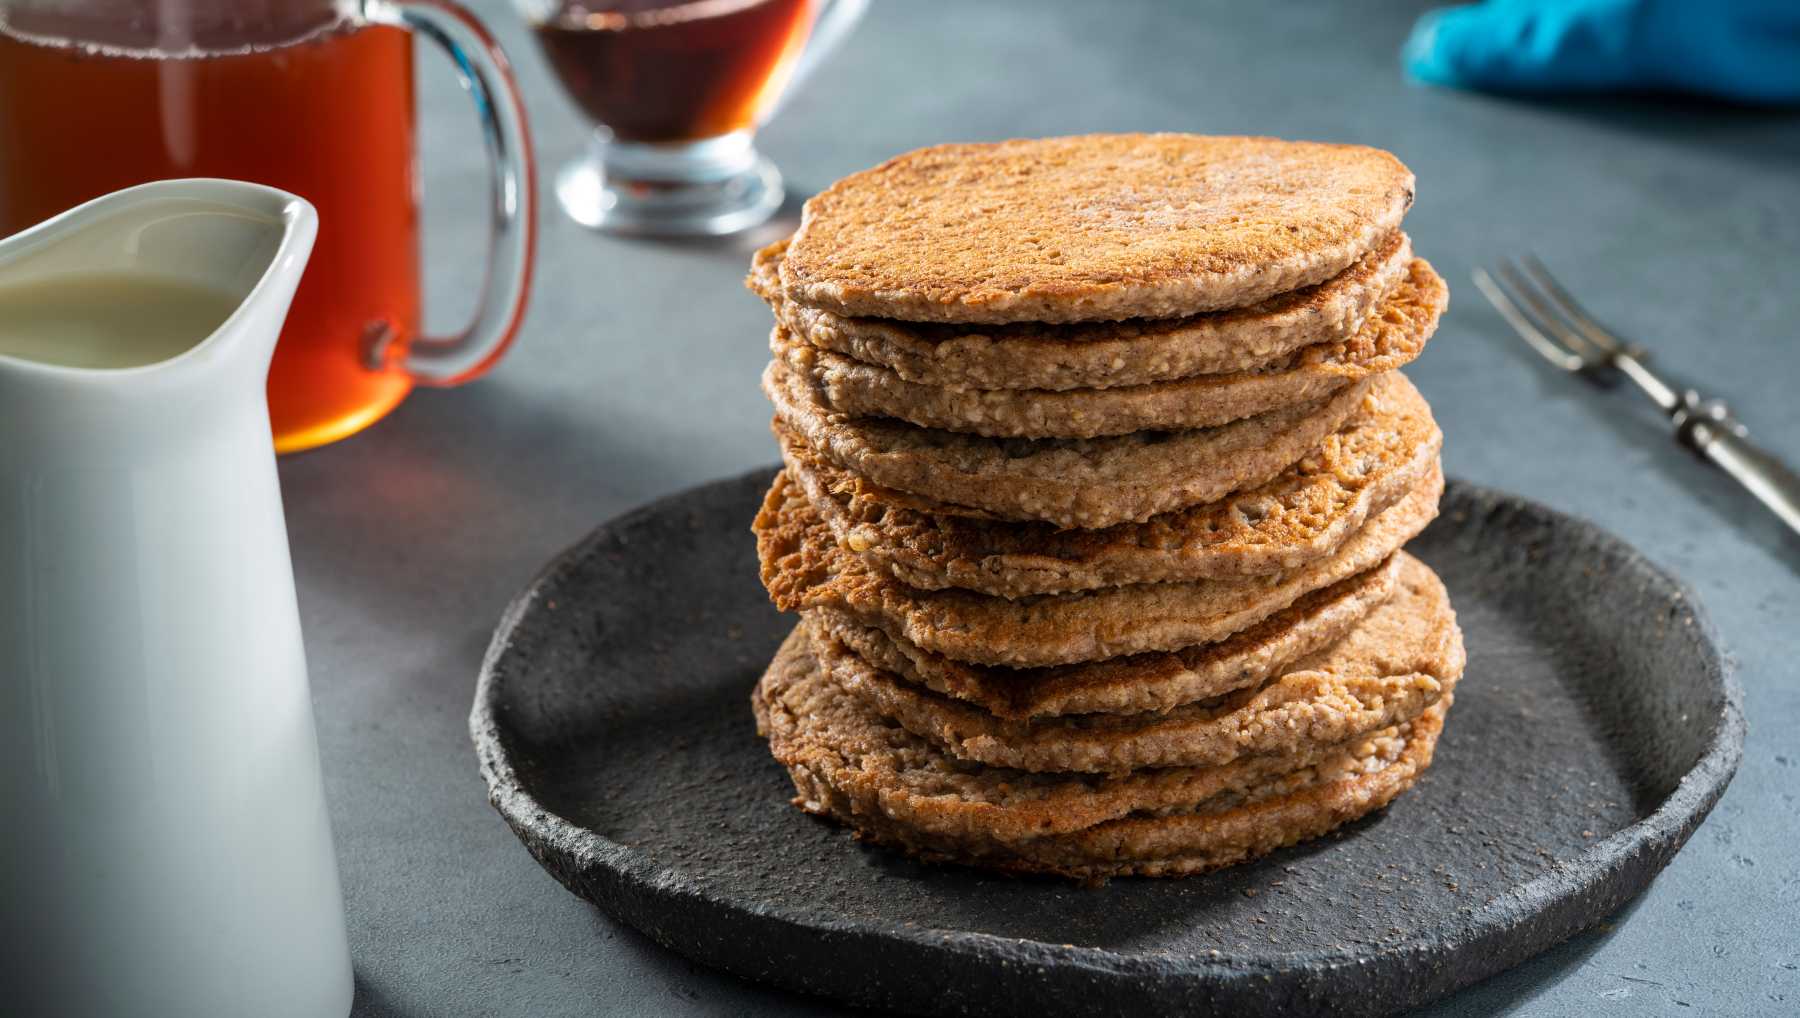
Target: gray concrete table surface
{"x":636,"y":377}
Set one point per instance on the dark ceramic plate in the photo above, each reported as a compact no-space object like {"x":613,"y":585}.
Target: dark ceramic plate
{"x":1595,"y":727}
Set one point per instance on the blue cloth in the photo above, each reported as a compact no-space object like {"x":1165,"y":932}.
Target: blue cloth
{"x":1744,"y":50}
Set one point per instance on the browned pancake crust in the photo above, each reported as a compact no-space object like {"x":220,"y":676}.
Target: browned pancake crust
{"x":894,"y":788}
{"x":1097,"y":355}
{"x":1091,"y":228}
{"x":1139,"y":683}
{"x":1091,"y":482}
{"x":808,"y":717}
{"x":1301,"y":806}
{"x":1382,"y":452}
{"x":804,"y":568}
{"x":1397,"y":661}
{"x":1388,"y":339}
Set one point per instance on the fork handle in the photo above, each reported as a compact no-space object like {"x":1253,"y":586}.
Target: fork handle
{"x":1722,"y":441}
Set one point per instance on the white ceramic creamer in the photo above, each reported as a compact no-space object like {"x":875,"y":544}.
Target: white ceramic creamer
{"x":164,"y":845}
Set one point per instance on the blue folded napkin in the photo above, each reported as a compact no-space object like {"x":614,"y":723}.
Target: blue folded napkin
{"x":1745,"y":50}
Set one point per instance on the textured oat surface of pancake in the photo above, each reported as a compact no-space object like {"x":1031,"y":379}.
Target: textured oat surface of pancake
{"x":896,"y":788}
{"x":1390,"y":338}
{"x":1098,"y":227}
{"x":1098,"y":355}
{"x":1091,"y":483}
{"x":1156,"y":681}
{"x":1382,"y":452}
{"x":803,"y":567}
{"x":1394,"y":663}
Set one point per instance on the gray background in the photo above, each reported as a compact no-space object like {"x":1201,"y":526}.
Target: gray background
{"x":636,"y":376}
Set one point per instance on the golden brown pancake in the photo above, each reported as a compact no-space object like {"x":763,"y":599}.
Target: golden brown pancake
{"x":1092,"y":228}
{"x":1072,"y":482}
{"x":1390,"y":338}
{"x":892,"y":787}
{"x":1381,"y":453}
{"x":1136,"y":683}
{"x":804,"y":568}
{"x":1097,"y":355}
{"x":1395,"y":662}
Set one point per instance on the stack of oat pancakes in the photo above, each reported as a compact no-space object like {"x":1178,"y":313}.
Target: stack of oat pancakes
{"x":1098,"y":466}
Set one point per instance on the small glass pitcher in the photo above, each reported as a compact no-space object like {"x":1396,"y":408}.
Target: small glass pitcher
{"x":676,"y":89}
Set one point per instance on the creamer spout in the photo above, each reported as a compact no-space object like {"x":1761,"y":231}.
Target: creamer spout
{"x":175,"y":274}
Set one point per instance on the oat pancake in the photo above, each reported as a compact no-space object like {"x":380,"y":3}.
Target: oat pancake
{"x":1156,"y":681}
{"x":893,"y":787}
{"x":1097,"y":355}
{"x":1091,"y":228}
{"x":1094,"y":482}
{"x":804,"y":568}
{"x":1390,"y":338}
{"x":1386,"y":449}
{"x":1393,"y":664}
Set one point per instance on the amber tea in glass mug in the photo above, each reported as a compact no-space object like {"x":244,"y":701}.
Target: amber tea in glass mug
{"x":310,"y":96}
{"x":677,"y":89}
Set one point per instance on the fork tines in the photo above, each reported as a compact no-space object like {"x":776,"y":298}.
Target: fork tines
{"x":1562,"y":332}
{"x":1528,"y":311}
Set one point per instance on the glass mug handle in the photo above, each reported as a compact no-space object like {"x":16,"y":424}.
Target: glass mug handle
{"x":487,"y":76}
{"x":836,"y":19}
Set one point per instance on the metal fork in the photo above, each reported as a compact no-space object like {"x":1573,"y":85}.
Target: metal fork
{"x":1554,"y":325}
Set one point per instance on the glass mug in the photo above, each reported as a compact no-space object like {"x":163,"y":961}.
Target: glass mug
{"x":677,"y":89}
{"x":310,"y":96}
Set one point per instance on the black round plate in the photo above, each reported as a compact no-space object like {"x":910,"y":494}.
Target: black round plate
{"x":1596,"y":726}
